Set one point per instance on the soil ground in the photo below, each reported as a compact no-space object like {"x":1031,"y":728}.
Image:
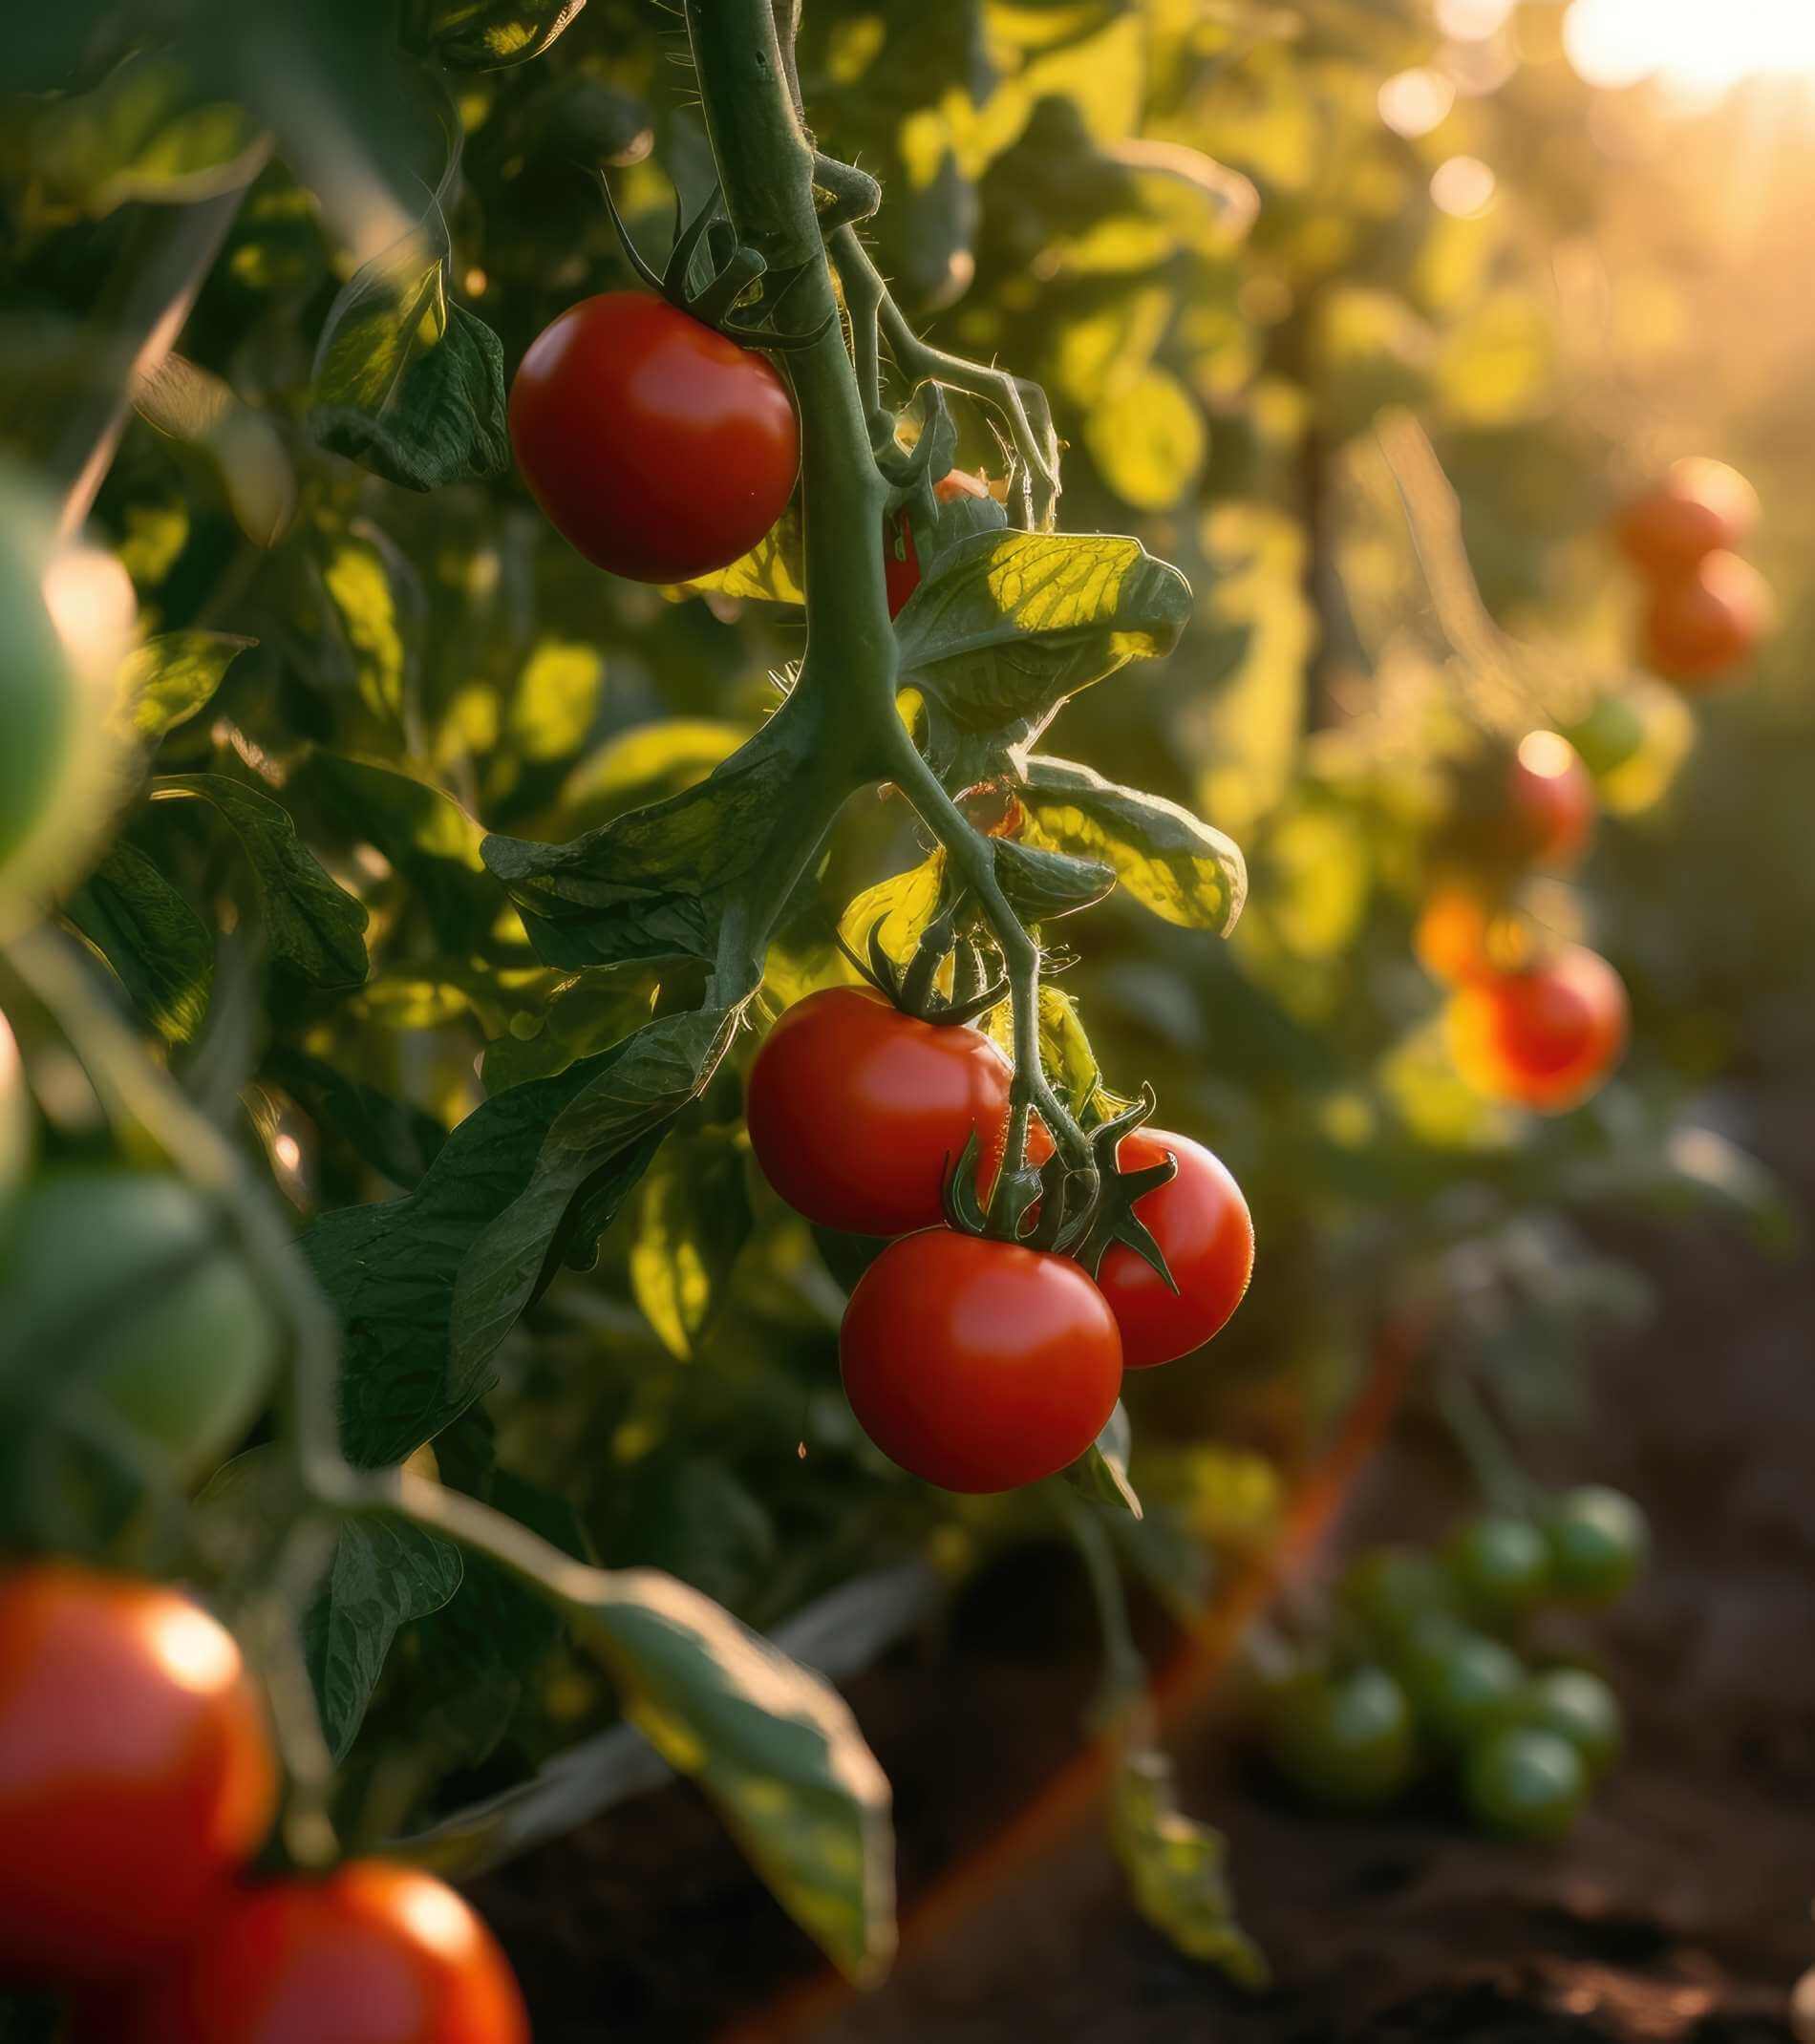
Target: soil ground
{"x":1678,"y":1910}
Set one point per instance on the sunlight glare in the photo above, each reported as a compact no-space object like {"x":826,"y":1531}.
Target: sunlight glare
{"x":1687,"y":44}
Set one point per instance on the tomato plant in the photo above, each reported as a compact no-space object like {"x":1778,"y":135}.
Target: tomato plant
{"x":135,"y":1770}
{"x":378,"y":1951}
{"x":660,"y":449}
{"x":979,"y":1365}
{"x":464,"y":927}
{"x":858,"y":1113}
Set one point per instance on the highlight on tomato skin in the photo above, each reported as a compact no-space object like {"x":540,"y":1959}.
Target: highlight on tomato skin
{"x":1201,"y":1221}
{"x":1544,"y":1038}
{"x":1550,"y":801}
{"x":858,"y":1113}
{"x":979,"y":1365}
{"x":137,"y":1776}
{"x":1701,"y":627}
{"x":383,"y":1953}
{"x":659,"y":448}
{"x":1699,"y":507}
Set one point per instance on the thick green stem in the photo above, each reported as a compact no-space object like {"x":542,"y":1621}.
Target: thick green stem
{"x":766,"y":165}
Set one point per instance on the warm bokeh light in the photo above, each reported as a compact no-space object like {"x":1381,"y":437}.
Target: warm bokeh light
{"x":1413,"y":102}
{"x":1689,"y":46}
{"x":1463,"y":187}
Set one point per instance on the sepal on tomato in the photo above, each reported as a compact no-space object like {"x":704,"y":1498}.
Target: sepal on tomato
{"x":736,"y":269}
{"x":1118,"y":1191}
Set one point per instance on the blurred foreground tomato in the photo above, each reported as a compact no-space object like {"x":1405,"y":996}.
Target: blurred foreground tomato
{"x":136,"y":1773}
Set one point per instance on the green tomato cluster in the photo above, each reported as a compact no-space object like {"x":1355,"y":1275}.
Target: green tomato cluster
{"x":1423,"y":1674}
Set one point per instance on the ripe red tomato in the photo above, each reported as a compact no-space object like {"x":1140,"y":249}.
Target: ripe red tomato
{"x":1545,"y":1037}
{"x":858,"y":1113}
{"x":1700,"y":509}
{"x":657,"y":447}
{"x":135,"y":1772}
{"x":1550,"y":815}
{"x":901,"y":562}
{"x":1702,"y":625}
{"x":979,"y":1365}
{"x":375,"y":1954}
{"x":1201,"y":1221}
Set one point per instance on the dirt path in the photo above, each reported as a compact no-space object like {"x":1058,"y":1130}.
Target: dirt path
{"x":1678,"y":1910}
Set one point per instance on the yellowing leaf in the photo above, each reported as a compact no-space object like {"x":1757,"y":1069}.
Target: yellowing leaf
{"x":1148,"y":440}
{"x":557,"y":693}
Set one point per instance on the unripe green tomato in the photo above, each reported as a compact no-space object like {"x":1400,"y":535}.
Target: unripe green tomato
{"x":1521,"y":1782}
{"x":1461,"y":1684}
{"x":125,"y":1280}
{"x":1598,"y":1540}
{"x":1578,"y":1706}
{"x":1609,"y":735}
{"x":65,"y":617}
{"x":1344,"y":1740}
{"x":15,"y":1120}
{"x":1393,"y":1591}
{"x":1500,"y":1567}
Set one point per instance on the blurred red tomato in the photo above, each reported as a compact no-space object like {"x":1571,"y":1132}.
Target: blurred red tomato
{"x":1704,"y":626}
{"x":135,"y":1771}
{"x":1544,"y":1038}
{"x":1700,"y":507}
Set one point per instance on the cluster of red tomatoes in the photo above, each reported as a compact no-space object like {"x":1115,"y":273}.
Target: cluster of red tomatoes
{"x":1423,"y":1673}
{"x":1540,"y":1024}
{"x":974,"y":1362}
{"x":136,"y":1781}
{"x":1706,"y":607}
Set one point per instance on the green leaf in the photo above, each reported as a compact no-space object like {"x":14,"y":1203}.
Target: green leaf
{"x":155,"y":943}
{"x":1177,"y":1870}
{"x":384,"y":1573}
{"x":1183,"y":870}
{"x":243,"y":447}
{"x":391,"y":1268}
{"x":145,"y":134}
{"x":375,"y":603}
{"x":579,"y":1017}
{"x":480,"y":1656}
{"x":406,"y":384}
{"x":1041,"y":883}
{"x":1013,"y":624}
{"x":1147,"y":439}
{"x":693,"y":1218}
{"x":773,"y":571}
{"x":1102,"y":1471}
{"x":776,"y":1749}
{"x":167,"y":679}
{"x":648,"y":763}
{"x":678,"y":878}
{"x":398,"y":1140}
{"x":488,"y":35}
{"x":314,"y":927}
{"x":595,"y":1150}
{"x":422,"y":831}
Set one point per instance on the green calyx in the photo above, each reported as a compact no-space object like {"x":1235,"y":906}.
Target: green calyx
{"x":735,"y":271}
